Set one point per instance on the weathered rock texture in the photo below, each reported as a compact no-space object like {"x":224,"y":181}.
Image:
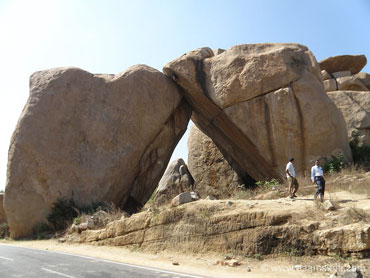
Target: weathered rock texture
{"x":93,"y":138}
{"x":2,"y":211}
{"x":355,"y":107}
{"x":213,"y":175}
{"x":261,"y":104}
{"x":175,"y":180}
{"x":352,"y":63}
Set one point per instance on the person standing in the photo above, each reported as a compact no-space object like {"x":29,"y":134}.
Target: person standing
{"x":317,"y":176}
{"x":290,"y":174}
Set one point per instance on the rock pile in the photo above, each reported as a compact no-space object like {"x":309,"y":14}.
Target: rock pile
{"x":349,"y":89}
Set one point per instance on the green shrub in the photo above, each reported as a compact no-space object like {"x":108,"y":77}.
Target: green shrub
{"x":267,"y":185}
{"x":62,"y":213}
{"x":334,"y":165}
{"x":361,"y":154}
{"x":4,"y":230}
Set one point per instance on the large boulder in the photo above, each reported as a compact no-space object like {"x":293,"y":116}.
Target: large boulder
{"x":91,"y":138}
{"x":352,"y":63}
{"x":355,"y":107}
{"x":213,"y":175}
{"x":261,"y":104}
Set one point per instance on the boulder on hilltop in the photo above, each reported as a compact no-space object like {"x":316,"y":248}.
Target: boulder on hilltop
{"x":262,"y":104}
{"x":352,"y":63}
{"x":91,"y":138}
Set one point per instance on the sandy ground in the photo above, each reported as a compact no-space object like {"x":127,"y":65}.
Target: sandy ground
{"x":205,"y":264}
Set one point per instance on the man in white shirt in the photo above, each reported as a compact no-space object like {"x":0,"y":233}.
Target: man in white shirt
{"x":317,"y":176}
{"x":290,"y":174}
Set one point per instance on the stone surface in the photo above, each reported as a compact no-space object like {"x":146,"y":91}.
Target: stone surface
{"x":364,"y":78}
{"x":328,"y":205}
{"x":330,"y":85}
{"x":350,"y":83}
{"x":262,"y":104}
{"x":91,"y":138}
{"x":341,"y":74}
{"x":182,"y":198}
{"x":325,"y":75}
{"x":213,"y":175}
{"x":352,"y":63}
{"x":355,"y":107}
{"x":2,"y":212}
{"x":176,"y":179}
{"x":218,"y":51}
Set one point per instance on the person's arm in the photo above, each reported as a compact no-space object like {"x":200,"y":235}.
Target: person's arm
{"x":287,"y":171}
{"x":313,"y":174}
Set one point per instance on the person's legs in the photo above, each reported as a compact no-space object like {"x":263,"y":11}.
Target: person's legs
{"x":290,"y":180}
{"x":296,"y":186}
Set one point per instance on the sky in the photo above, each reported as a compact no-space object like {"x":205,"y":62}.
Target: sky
{"x":108,"y":36}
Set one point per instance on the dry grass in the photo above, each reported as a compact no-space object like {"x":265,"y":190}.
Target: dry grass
{"x":355,"y":215}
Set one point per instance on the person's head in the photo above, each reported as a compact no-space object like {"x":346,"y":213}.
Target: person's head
{"x":291,"y":160}
{"x":317,"y":162}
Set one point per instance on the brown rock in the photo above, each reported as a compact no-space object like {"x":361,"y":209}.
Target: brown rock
{"x":213,"y":175}
{"x":341,"y":74}
{"x":353,"y":63}
{"x":262,"y":104}
{"x":325,"y":75}
{"x":355,"y":107}
{"x":93,"y":138}
{"x":182,"y":198}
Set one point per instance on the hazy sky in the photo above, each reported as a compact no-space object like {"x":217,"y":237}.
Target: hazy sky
{"x":108,"y":36}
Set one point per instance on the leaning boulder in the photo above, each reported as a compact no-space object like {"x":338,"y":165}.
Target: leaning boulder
{"x":352,"y":63}
{"x":91,"y":138}
{"x":261,"y":104}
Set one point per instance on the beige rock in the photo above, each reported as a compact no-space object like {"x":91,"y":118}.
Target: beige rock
{"x":364,"y":78}
{"x":176,"y":179}
{"x":2,"y":212}
{"x":93,"y":138}
{"x":341,"y":74}
{"x":259,"y":103}
{"x":213,"y":175}
{"x":355,"y":107}
{"x":330,"y":85}
{"x":350,"y":83}
{"x":353,"y":63}
{"x":325,"y":75}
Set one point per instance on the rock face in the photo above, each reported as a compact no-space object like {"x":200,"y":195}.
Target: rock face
{"x":213,"y":175}
{"x":93,"y":138}
{"x":355,"y":107}
{"x":261,"y":104}
{"x":175,"y":180}
{"x":353,"y":63}
{"x":2,"y":212}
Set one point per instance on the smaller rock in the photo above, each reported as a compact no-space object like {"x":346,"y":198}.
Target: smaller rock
{"x":62,"y":240}
{"x":249,"y":269}
{"x":339,"y":74}
{"x":325,"y":75}
{"x":328,"y":205}
{"x":182,"y":198}
{"x":227,"y":258}
{"x":233,"y":263}
{"x":194,"y":196}
{"x":330,"y":85}
{"x":229,"y":203}
{"x":175,"y":263}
